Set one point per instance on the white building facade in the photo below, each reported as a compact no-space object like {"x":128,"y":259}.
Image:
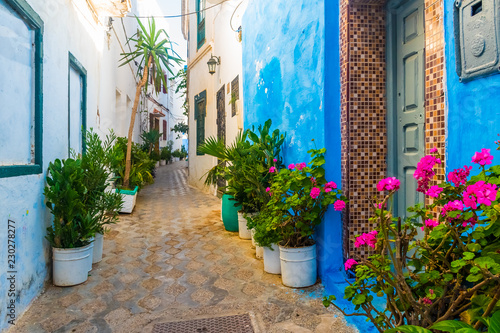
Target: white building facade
{"x":213,"y":30}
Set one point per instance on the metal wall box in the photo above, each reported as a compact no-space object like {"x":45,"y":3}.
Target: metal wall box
{"x":477,"y":32}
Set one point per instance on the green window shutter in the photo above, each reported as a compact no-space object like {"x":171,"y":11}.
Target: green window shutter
{"x":200,"y":8}
{"x":200,"y":111}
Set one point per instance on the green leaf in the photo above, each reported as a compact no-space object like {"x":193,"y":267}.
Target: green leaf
{"x":474,"y":277}
{"x":466,"y":330}
{"x":469,"y":255}
{"x":474,"y":247}
{"x":450,"y":326}
{"x":408,"y":329}
{"x":495,"y":323}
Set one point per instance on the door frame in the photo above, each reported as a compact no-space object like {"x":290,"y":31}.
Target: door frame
{"x":78,"y":67}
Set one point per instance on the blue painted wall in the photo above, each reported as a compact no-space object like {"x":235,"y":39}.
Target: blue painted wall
{"x":290,"y":77}
{"x":472,"y":108}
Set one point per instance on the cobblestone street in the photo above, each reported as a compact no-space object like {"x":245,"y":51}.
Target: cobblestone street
{"x":172,"y":260}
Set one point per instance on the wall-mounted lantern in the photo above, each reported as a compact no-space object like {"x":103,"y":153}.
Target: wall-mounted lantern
{"x":212,"y":63}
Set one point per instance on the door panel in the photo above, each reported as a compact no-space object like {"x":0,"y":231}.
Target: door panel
{"x":410,"y":97}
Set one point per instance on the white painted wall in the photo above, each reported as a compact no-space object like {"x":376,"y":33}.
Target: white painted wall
{"x":68,"y":27}
{"x":221,"y":41}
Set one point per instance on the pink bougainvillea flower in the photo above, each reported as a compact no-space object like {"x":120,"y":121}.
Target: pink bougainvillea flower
{"x":380,"y":205}
{"x":301,"y":166}
{"x":433,"y":150}
{"x":430,"y":224}
{"x":369,"y":239}
{"x":330,"y":186}
{"x":424,"y":173}
{"x":451,"y":206}
{"x":349,"y":263}
{"x":315,"y":192}
{"x":434,"y":191}
{"x":459,"y":176}
{"x":272,"y":169}
{"x":388,"y":184}
{"x":472,"y":222}
{"x":426,"y":300}
{"x":480,"y":193}
{"x":275,"y":160}
{"x":483,"y":157}
{"x":268,"y":189}
{"x":313,"y":180}
{"x":431,"y":291}
{"x":291,"y":166}
{"x":339,"y":205}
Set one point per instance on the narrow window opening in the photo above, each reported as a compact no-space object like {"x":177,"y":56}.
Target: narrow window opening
{"x":477,"y":8}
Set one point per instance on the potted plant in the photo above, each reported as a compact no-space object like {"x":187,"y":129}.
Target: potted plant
{"x":71,"y":232}
{"x":299,"y":198}
{"x":266,"y":239}
{"x":151,"y":143}
{"x":153,"y":53}
{"x":166,"y":153}
{"x":140,"y":175}
{"x":100,"y":204}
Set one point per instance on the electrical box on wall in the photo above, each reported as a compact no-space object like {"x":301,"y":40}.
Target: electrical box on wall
{"x":477,"y":32}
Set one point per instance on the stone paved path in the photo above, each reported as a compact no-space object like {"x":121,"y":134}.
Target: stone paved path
{"x":170,"y":260}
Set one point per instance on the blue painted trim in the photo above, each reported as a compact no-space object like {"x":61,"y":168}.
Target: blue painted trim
{"x":77,"y":66}
{"x":129,"y":192}
{"x":35,"y":23}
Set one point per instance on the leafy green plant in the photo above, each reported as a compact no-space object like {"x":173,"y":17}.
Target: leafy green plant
{"x":451,"y":270}
{"x":64,"y":192}
{"x":153,"y":52}
{"x":166,"y":152}
{"x":100,"y":204}
{"x":151,"y":141}
{"x":299,"y":198}
{"x":265,"y":234}
{"x":180,"y":128}
{"x":141,"y":165}
{"x":492,"y":325}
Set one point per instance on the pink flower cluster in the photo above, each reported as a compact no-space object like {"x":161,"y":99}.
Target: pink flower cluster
{"x":483,"y":157}
{"x":349,"y":263}
{"x":426,"y":300}
{"x":291,"y":166}
{"x":369,"y":239}
{"x":472,"y":221}
{"x":480,"y":193}
{"x":434,"y":191}
{"x":273,"y":169}
{"x":451,"y":206}
{"x":339,"y":205}
{"x":315,"y":192}
{"x":430,"y":224}
{"x":301,"y":166}
{"x":388,"y":184}
{"x":459,"y":176}
{"x":330,"y":186}
{"x":424,"y":172}
{"x":268,"y":190}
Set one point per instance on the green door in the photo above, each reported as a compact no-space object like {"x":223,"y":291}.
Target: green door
{"x":408,"y":102}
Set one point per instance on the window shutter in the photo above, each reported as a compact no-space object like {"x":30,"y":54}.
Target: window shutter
{"x":165,"y":129}
{"x":164,"y":87}
{"x":235,"y":91}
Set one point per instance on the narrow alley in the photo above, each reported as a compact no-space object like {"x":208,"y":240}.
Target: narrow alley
{"x":172,"y":260}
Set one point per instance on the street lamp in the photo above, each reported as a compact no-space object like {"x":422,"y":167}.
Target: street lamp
{"x":212,"y":63}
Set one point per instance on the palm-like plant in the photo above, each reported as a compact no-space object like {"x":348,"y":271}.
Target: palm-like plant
{"x":153,"y":50}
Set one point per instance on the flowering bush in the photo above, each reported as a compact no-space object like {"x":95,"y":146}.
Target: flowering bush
{"x":451,"y":270}
{"x":299,"y":197}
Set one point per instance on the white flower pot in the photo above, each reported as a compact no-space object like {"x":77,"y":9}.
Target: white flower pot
{"x":259,"y":252}
{"x":163,"y":162}
{"x":129,"y":199}
{"x":252,"y":232}
{"x":243,"y":231}
{"x":90,"y":258}
{"x":98,"y":246}
{"x":298,"y":266}
{"x":272,"y":259}
{"x":71,"y":266}
{"x":157,"y":164}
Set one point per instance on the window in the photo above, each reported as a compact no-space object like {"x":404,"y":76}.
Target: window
{"x":235,"y":94}
{"x":21,"y":96}
{"x":77,"y":106}
{"x":200,"y":111}
{"x":200,"y":9}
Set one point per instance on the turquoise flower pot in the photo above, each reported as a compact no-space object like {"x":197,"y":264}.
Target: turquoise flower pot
{"x":229,"y":213}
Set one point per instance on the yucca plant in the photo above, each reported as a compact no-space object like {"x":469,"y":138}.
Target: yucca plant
{"x":153,"y":51}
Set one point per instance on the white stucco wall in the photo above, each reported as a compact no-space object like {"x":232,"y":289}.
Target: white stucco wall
{"x":221,"y":41}
{"x":68,"y":27}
